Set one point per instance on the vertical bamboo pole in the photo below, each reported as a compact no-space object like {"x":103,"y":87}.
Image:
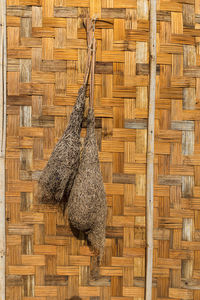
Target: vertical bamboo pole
{"x":2,"y":143}
{"x":150,"y":152}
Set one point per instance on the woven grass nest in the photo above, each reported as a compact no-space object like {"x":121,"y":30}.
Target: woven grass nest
{"x":87,"y":201}
{"x":57,"y":178}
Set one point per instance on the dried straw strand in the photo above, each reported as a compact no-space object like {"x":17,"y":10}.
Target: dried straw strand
{"x":93,"y":68}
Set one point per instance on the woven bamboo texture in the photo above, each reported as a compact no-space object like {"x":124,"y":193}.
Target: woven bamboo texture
{"x":46,"y":64}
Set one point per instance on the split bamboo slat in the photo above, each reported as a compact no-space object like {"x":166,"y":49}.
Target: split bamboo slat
{"x":150,"y":152}
{"x":2,"y":144}
{"x":47,"y":50}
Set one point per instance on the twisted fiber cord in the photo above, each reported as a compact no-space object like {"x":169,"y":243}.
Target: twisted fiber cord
{"x":93,"y":68}
{"x":90,"y":45}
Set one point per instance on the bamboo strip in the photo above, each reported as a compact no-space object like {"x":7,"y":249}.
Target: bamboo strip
{"x":150,"y":152}
{"x":2,"y":143}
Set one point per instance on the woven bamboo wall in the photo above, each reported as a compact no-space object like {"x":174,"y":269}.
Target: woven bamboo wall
{"x":177,"y":181}
{"x":46,"y":62}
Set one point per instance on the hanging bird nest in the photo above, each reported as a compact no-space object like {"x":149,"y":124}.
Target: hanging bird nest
{"x":57,"y":178}
{"x":87,"y":201}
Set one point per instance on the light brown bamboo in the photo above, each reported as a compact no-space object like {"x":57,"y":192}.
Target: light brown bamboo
{"x":2,"y":143}
{"x":150,"y":152}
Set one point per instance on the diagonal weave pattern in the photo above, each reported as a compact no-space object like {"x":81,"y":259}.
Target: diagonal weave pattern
{"x":47,"y":52}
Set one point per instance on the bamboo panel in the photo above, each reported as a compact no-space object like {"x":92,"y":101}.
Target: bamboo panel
{"x":46,"y":62}
{"x":46,"y":54}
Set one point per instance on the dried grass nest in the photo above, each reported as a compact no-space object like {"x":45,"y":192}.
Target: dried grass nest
{"x":87,"y":201}
{"x":57,"y":177}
